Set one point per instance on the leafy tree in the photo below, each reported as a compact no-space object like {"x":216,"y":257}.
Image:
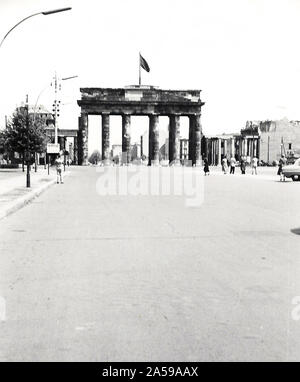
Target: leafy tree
{"x":21,"y":138}
{"x":95,"y":157}
{"x":2,"y":141}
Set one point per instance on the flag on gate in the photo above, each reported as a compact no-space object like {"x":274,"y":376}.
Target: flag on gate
{"x":144,"y":64}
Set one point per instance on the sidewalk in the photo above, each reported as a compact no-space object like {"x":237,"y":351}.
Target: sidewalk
{"x":13,"y":191}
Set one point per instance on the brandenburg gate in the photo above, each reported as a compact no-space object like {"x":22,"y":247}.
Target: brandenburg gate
{"x":142,"y":101}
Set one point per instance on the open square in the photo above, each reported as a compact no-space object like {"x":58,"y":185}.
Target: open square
{"x":146,"y":278}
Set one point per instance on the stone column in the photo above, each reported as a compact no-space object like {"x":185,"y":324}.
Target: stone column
{"x":255,"y":142}
{"x":105,"y":138}
{"x":225,"y":148}
{"x":242,"y":146}
{"x":213,"y":151}
{"x":75,"y":148}
{"x":79,"y":142}
{"x":219,"y":151}
{"x":126,"y":138}
{"x":174,"y":139}
{"x":84,"y":137}
{"x":142,"y":149}
{"x":191,"y":138}
{"x":233,"y":147}
{"x":153,"y":140}
{"x":197,"y":160}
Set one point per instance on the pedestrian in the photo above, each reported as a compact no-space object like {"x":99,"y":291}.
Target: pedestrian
{"x":206,"y":167}
{"x":254,"y":165}
{"x":282,"y":162}
{"x":232,"y":165}
{"x":58,"y":164}
{"x":224,"y":165}
{"x":243,"y":165}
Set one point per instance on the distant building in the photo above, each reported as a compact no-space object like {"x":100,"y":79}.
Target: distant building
{"x":184,"y":149}
{"x":163,"y":137}
{"x":116,"y":151}
{"x":164,"y":150}
{"x":136,"y":151}
{"x":145,"y":144}
{"x":279,"y":137}
{"x":266,"y":140}
{"x":217,"y":147}
{"x":38,"y":111}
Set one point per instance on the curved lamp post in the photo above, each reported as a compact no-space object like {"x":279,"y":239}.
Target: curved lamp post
{"x":46,"y":13}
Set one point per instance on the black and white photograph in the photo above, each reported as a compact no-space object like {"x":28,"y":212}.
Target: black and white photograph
{"x":149,"y":183}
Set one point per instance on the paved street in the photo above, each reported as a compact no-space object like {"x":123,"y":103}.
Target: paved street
{"x":144,"y":278}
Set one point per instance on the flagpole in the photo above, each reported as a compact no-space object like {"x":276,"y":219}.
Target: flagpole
{"x":139,"y":68}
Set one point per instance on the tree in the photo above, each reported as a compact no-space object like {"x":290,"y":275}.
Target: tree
{"x":95,"y":157}
{"x":2,"y":141}
{"x":20,"y":138}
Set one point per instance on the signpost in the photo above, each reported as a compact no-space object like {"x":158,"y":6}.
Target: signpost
{"x":53,"y":148}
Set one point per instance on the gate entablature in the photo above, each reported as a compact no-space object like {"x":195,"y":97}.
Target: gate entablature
{"x":141,"y":101}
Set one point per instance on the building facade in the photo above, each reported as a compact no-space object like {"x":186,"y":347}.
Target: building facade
{"x":281,"y":137}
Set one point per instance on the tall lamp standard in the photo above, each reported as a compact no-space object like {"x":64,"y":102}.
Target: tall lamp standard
{"x":45,"y":13}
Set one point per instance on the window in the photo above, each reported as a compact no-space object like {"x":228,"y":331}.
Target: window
{"x":290,"y":146}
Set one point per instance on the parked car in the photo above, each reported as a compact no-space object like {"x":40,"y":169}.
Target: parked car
{"x":291,"y":159}
{"x":292,"y":171}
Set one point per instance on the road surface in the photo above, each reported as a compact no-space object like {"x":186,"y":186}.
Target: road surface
{"x":86,"y":277}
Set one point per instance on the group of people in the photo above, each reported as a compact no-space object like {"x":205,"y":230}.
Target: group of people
{"x":231,"y":165}
{"x":243,"y":164}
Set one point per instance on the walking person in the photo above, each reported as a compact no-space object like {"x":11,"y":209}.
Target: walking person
{"x":232,"y":165}
{"x":58,"y":165}
{"x":254,"y":165}
{"x":224,"y":165}
{"x":282,"y":162}
{"x":206,"y":167}
{"x":243,"y":165}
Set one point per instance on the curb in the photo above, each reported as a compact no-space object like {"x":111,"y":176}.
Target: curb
{"x":26,"y":199}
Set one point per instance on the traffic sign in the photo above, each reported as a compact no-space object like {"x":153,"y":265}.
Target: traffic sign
{"x":53,"y":148}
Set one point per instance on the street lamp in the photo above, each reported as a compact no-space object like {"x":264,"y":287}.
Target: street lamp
{"x":46,"y":13}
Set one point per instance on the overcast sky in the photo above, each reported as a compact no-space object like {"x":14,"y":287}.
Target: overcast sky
{"x":243,"y":54}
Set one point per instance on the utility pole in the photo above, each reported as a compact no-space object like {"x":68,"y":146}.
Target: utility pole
{"x":56,"y":109}
{"x":28,"y":146}
{"x":56,"y":104}
{"x":252,"y":141}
